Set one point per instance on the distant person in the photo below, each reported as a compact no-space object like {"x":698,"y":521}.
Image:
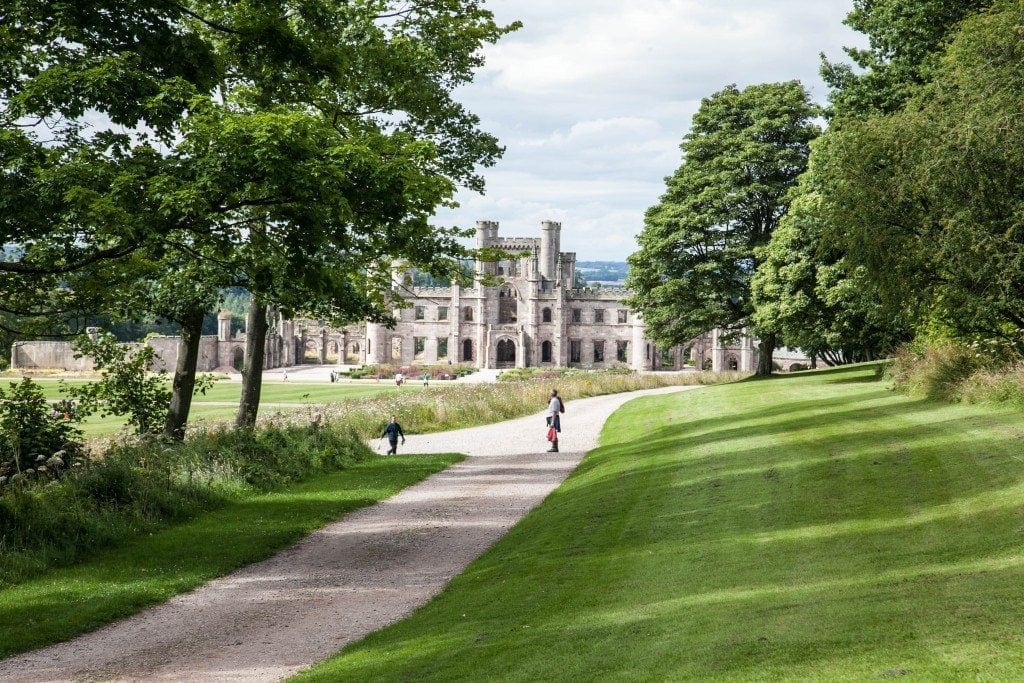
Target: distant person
{"x":393,"y":430}
{"x":285,"y":375}
{"x":554,"y":420}
{"x":399,"y":378}
{"x":426,"y":379}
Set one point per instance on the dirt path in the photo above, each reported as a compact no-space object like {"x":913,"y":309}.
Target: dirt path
{"x":375,"y":566}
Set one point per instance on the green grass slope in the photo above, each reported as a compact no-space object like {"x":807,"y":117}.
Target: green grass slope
{"x":815,"y":527}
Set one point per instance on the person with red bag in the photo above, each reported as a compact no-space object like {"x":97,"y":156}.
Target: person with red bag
{"x":555,"y":408}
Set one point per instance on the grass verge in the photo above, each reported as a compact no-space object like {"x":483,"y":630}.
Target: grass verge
{"x":150,"y":569}
{"x":815,"y":526}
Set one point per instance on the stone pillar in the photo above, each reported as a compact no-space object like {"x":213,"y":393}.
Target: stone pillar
{"x":224,"y":326}
{"x":639,"y":344}
{"x":323,"y":346}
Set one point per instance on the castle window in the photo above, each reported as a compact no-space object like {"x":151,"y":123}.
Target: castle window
{"x":507,"y":305}
{"x":546,"y":315}
{"x":598,"y":315}
{"x":577,"y":315}
{"x":623,"y":315}
{"x":545,"y":352}
{"x":575,"y":350}
{"x":599,"y":352}
{"x":442,"y":312}
{"x":467,"y":349}
{"x":419,"y":345}
{"x":442,"y":347}
{"x":621,"y":351}
{"x":420,"y":313}
{"x":467,"y":315}
{"x":396,"y":348}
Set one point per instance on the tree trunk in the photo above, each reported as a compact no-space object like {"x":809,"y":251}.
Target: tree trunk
{"x":252,"y":371}
{"x":184,"y":376}
{"x":765,"y":353}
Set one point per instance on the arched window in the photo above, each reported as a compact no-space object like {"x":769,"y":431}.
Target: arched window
{"x":545,"y":352}
{"x":467,"y":314}
{"x":467,"y":349}
{"x":546,"y":315}
{"x":731,"y":363}
{"x":508,"y":308}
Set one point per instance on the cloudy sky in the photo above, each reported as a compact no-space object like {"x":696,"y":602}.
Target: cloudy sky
{"x":591,"y":99}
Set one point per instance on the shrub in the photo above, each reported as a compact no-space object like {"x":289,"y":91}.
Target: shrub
{"x":125,"y":386}
{"x":387,"y":371}
{"x":32,"y":432}
{"x":934,"y":370}
{"x":140,"y":486}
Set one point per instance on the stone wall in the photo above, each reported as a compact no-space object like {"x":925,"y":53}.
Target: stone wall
{"x":47,"y":355}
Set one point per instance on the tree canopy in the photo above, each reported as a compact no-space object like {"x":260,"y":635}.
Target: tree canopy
{"x":290,"y":147}
{"x":697,"y":253}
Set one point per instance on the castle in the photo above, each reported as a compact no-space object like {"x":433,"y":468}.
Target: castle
{"x":534,"y":317}
{"x":525,"y":311}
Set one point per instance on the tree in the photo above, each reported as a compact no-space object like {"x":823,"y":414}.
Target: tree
{"x":905,"y":39}
{"x":928,"y":199}
{"x":698,"y":247}
{"x":295,"y":145}
{"x":806,"y":290}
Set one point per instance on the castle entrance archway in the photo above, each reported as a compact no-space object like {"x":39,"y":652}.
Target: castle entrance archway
{"x":506,"y":357}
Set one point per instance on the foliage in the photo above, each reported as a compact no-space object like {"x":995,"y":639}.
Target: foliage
{"x":411,"y":372}
{"x":812,"y":527}
{"x":36,"y":439}
{"x":808,"y":292}
{"x":929,"y":199}
{"x":125,"y":387}
{"x":904,"y":37}
{"x":453,"y":406}
{"x":981,"y":372}
{"x":698,"y":246}
{"x":135,"y":488}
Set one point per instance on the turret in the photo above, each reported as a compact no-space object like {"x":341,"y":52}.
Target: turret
{"x":550,"y":244}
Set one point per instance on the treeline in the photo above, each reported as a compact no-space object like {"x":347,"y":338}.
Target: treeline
{"x":899,"y":222}
{"x":155,"y":155}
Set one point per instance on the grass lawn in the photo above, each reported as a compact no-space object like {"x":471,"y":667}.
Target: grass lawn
{"x":121,"y":581}
{"x":815,"y":526}
{"x":207,"y":407}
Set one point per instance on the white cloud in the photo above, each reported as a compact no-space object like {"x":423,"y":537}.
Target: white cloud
{"x":592,"y":99}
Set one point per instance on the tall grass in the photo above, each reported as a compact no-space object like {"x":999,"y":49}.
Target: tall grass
{"x":958,"y":373}
{"x":467,"y":405}
{"x":137,"y":488}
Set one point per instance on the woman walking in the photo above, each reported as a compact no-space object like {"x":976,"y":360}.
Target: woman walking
{"x":554,"y":420}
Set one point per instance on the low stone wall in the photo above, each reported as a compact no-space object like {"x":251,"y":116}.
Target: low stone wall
{"x":47,"y":355}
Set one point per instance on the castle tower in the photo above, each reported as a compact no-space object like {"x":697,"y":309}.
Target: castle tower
{"x":486,"y":235}
{"x":550,"y":245}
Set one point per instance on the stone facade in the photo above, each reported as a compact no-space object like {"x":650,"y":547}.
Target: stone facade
{"x":532,"y":317}
{"x":521,"y":312}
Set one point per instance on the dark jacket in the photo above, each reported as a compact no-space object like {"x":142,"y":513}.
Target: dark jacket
{"x":392,"y":430}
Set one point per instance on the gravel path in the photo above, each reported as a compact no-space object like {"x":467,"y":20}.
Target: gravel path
{"x":353,"y":577}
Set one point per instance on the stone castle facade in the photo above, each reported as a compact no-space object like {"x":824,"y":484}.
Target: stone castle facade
{"x":521,"y":312}
{"x":534,"y":317}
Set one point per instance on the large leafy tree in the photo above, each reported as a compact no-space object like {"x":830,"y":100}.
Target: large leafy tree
{"x":928,"y":200}
{"x":808,"y":291}
{"x":292,"y":143}
{"x":744,"y":152}
{"x":905,"y":38}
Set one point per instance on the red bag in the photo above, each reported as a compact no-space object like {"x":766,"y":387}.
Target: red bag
{"x":552,"y":434}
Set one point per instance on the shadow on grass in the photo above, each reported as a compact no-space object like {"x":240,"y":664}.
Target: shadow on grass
{"x":846,"y":538}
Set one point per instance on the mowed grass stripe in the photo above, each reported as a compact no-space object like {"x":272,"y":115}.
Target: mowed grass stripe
{"x":814,"y":526}
{"x":147,"y":571}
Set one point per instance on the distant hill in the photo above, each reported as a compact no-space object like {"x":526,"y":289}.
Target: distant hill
{"x":603,"y":271}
